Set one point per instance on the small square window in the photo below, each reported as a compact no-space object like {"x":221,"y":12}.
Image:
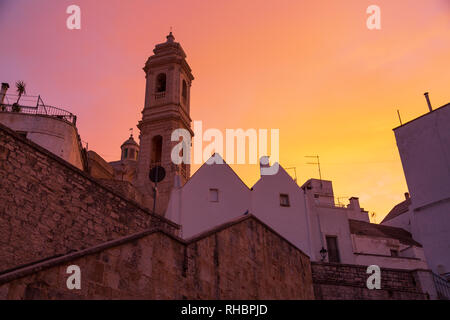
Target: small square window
{"x":394,"y":253}
{"x":284,"y":200}
{"x":214,"y":195}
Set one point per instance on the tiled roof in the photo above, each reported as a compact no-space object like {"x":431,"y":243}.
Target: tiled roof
{"x":399,"y":209}
{"x":379,"y":231}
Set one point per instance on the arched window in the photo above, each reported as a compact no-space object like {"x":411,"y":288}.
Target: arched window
{"x":156,"y":150}
{"x":161,"y":82}
{"x":184,"y":90}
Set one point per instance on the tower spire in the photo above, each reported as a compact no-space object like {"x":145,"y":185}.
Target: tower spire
{"x":170,"y":37}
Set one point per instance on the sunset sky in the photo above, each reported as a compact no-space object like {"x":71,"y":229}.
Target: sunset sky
{"x":309,"y":68}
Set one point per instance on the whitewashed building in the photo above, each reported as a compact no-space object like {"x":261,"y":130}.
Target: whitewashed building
{"x":424,"y":147}
{"x":306,"y":216}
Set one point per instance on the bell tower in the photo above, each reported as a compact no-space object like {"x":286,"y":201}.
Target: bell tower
{"x":167,"y":108}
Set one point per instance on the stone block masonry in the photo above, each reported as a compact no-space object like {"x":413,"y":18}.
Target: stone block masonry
{"x":348,"y":282}
{"x":243,"y":259}
{"x":52,"y":215}
{"x":48,"y":207}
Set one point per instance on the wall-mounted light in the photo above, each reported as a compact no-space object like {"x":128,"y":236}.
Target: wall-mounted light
{"x":323,"y":253}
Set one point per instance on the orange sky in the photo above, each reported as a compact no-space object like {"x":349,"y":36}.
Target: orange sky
{"x":309,"y":68}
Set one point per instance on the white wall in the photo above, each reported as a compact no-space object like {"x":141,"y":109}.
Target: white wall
{"x":390,"y":262}
{"x":196,"y":213}
{"x":431,"y":227}
{"x":424,"y":147}
{"x":291,"y":222}
{"x":402,"y":221}
{"x":305,"y":222}
{"x":334,"y":222}
{"x":55,"y":135}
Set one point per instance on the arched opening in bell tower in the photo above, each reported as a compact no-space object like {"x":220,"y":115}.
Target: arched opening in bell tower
{"x":157,"y":143}
{"x":161,"y":82}
{"x":184,"y":90}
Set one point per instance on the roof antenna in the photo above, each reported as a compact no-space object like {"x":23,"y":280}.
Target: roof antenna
{"x":318,"y":165}
{"x":399,"y":118}
{"x":428,"y":101}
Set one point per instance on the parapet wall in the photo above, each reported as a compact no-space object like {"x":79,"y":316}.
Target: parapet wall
{"x":348,"y":282}
{"x":49,"y":207}
{"x":241,"y":260}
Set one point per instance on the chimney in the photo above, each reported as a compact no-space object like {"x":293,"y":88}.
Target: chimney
{"x":5,"y":87}
{"x":428,"y":101}
{"x":406,"y":195}
{"x":354,"y":204}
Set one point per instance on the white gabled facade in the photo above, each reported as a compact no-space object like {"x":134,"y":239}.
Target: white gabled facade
{"x":290,"y":219}
{"x":195,"y":206}
{"x":306,"y":216}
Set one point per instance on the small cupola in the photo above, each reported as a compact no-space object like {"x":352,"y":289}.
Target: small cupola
{"x":130,"y":149}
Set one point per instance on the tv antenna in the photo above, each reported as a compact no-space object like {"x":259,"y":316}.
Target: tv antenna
{"x":318,"y":165}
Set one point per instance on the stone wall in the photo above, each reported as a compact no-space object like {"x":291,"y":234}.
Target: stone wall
{"x":124,"y":188}
{"x":244,"y":259}
{"x":48,"y":207}
{"x":348,"y":282}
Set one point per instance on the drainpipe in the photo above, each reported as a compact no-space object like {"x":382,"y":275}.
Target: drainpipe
{"x":310,"y":242}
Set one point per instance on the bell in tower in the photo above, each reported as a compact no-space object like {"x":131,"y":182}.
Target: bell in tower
{"x":167,"y":108}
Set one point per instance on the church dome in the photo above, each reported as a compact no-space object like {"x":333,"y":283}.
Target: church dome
{"x":129,"y":142}
{"x":130,"y":149}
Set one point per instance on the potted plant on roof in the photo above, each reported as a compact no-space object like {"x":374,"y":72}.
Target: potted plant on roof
{"x":21,"y":90}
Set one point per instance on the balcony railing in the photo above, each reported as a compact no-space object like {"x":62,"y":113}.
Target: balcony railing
{"x":38,"y":108}
{"x":442,"y":287}
{"x":160,"y":95}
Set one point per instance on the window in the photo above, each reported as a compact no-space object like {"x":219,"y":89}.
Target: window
{"x":213,"y":195}
{"x":284,"y":200}
{"x":394,"y":253}
{"x":132,"y":153}
{"x":161,"y":82}
{"x":125,"y":153}
{"x":184,"y":90}
{"x":333,"y":251}
{"x":157,"y":142}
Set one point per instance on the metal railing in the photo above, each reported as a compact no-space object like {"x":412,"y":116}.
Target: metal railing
{"x":442,"y":287}
{"x":39,"y":108}
{"x":160,"y":95}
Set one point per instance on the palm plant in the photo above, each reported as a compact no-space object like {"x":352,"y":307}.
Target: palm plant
{"x":21,"y":90}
